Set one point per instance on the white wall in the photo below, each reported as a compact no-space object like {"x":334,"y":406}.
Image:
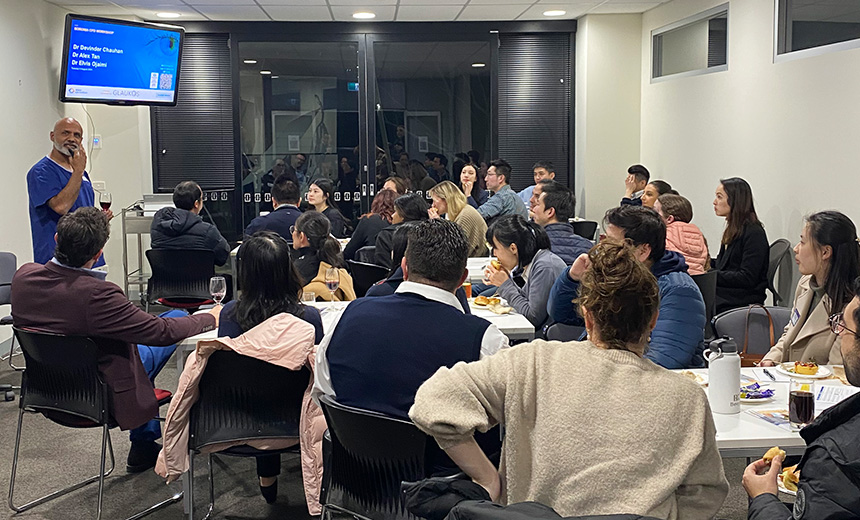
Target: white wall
{"x":608,"y":85}
{"x":789,"y":129}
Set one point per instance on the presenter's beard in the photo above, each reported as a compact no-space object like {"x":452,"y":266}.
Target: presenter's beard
{"x":64,"y":150}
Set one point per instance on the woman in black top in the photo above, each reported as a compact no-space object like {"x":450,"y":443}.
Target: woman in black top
{"x":312,"y":244}
{"x":742,"y":262}
{"x":371,"y":224}
{"x":407,"y":208}
{"x":270,"y":286}
{"x":319,"y":196}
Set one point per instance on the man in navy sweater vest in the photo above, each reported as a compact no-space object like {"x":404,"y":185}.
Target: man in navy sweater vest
{"x":381,"y":349}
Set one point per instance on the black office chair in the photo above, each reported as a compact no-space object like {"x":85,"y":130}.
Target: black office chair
{"x":365,"y":275}
{"x":585,"y":228}
{"x":707,"y":283}
{"x":62,"y":383}
{"x":732,"y":323}
{"x":371,"y":454}
{"x":180,"y":278}
{"x":366,"y":254}
{"x":8,"y":266}
{"x":241,"y":399}
{"x":779,"y":250}
{"x":562,"y":332}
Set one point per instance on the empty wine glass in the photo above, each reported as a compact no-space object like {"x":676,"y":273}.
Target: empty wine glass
{"x":218,"y":288}
{"x":332,"y":280}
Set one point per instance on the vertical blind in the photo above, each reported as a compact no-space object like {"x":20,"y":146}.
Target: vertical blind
{"x":194,"y":139}
{"x":535,"y":104}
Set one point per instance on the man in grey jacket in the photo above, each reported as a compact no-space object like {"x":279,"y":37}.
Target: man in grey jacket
{"x":505,"y":200}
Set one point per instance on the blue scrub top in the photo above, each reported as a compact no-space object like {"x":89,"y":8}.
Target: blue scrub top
{"x":45,"y":180}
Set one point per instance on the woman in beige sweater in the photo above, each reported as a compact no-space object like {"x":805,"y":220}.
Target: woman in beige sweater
{"x":449,"y":200}
{"x":591,"y":427}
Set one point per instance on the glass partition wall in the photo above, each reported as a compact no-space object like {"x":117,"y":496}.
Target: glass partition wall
{"x":360,"y":110}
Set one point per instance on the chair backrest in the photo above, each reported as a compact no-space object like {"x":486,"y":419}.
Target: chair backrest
{"x":62,"y":376}
{"x":365,"y":275}
{"x":732,"y":323}
{"x":243,"y":398}
{"x":371,"y":455}
{"x":366,"y":254}
{"x":778,"y":251}
{"x":562,"y":332}
{"x":180,"y":273}
{"x":585,"y":228}
{"x":707,"y":283}
{"x":8,"y":266}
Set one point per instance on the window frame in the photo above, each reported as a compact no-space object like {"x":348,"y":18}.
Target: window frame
{"x":656,"y":49}
{"x":780,"y":40}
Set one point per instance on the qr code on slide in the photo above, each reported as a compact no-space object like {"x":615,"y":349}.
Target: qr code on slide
{"x":165,"y":81}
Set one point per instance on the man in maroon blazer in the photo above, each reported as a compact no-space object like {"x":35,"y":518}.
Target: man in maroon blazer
{"x":66,"y":296}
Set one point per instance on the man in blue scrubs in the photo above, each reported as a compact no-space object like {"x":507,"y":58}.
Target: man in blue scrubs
{"x":58,"y":184}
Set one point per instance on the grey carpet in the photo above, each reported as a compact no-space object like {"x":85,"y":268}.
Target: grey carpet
{"x":53,"y":457}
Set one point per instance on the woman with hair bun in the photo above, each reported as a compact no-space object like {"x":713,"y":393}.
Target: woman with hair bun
{"x":828,"y":257}
{"x":523,"y":252}
{"x":573,"y":411}
{"x":315,"y":250}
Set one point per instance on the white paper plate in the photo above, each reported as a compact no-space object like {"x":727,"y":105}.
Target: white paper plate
{"x":784,"y":489}
{"x":700,"y":379}
{"x":788,"y":369}
{"x":757,"y":401}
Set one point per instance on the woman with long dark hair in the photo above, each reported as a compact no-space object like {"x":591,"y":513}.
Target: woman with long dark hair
{"x":828,"y":257}
{"x":314,"y":251}
{"x":743,"y":258}
{"x":407,"y":208}
{"x":473,"y":186}
{"x":270,"y":286}
{"x":320,"y":197}
{"x":370,"y":224}
{"x":523,"y":250}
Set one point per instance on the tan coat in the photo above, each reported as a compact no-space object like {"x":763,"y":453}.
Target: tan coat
{"x":282,"y":340}
{"x":344,"y":292}
{"x":810,"y":336}
{"x":475,"y":228}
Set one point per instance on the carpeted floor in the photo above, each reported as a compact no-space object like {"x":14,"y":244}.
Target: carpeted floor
{"x":53,"y":457}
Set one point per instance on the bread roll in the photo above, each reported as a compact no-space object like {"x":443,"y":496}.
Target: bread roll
{"x":772,"y":453}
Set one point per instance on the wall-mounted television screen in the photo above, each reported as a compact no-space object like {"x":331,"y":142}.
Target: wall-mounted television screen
{"x":119,"y":62}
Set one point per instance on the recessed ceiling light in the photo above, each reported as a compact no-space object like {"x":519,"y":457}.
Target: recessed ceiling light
{"x":249,"y":62}
{"x":265,"y":72}
{"x":167,"y":15}
{"x":479,"y":65}
{"x":363,"y":15}
{"x":554,"y":13}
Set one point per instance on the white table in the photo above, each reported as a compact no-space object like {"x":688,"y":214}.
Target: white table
{"x":744,"y":435}
{"x":514,"y":325}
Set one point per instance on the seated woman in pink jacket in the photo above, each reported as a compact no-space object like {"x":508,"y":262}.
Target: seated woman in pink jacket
{"x":681,"y":235}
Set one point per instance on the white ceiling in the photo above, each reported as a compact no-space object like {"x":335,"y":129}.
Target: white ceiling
{"x":342,"y":10}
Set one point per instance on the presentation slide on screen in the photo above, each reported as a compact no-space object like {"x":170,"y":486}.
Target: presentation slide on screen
{"x":112,"y":61}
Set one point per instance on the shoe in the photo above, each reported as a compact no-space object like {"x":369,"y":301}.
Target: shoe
{"x":142,"y":456}
{"x":270,"y":493}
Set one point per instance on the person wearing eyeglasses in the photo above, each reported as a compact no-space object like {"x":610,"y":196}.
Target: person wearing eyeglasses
{"x":829,"y":486}
{"x":828,"y":257}
{"x":505,"y":200}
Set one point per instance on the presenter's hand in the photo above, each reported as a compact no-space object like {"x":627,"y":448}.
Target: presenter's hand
{"x":78,"y":161}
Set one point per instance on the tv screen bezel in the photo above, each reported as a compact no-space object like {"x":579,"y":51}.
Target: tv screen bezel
{"x":64,"y":65}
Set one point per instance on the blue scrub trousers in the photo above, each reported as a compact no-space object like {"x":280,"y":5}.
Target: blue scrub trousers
{"x":154,"y":359}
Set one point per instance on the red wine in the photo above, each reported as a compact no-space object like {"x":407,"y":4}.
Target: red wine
{"x":801,"y":407}
{"x":332,"y":285}
{"x":105,"y":205}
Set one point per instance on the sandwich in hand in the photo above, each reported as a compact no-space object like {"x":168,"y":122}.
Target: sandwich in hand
{"x":790,"y":478}
{"x":772,"y":453}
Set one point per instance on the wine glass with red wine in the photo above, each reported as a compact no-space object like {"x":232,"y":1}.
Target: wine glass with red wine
{"x":332,"y":280}
{"x":104,"y":200}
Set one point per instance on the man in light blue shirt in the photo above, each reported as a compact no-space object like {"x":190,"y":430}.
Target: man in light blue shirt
{"x":542,"y":170}
{"x":504,"y":200}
